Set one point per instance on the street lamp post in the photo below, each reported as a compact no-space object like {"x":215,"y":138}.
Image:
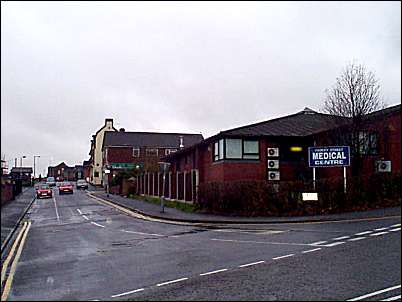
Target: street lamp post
{"x":35,"y":156}
{"x":21,"y":168}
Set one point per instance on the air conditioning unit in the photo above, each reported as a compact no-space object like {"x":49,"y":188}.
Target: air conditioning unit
{"x":273,"y":164}
{"x":383,"y":166}
{"x":273,"y":152}
{"x":273,"y":175}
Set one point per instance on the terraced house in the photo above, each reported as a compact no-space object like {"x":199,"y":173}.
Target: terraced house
{"x":143,"y":151}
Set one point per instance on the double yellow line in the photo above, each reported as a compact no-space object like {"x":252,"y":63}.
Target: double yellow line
{"x":19,"y":241}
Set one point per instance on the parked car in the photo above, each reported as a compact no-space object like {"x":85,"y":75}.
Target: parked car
{"x":50,"y":182}
{"x":82,"y":184}
{"x":43,"y":190}
{"x":65,"y":187}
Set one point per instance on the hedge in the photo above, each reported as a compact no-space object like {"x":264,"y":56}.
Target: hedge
{"x":262,"y":198}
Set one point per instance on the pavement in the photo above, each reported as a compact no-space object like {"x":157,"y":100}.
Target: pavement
{"x":173,"y":214}
{"x":13,"y":212}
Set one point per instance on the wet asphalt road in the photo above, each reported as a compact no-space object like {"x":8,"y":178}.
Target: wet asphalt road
{"x":80,"y":249}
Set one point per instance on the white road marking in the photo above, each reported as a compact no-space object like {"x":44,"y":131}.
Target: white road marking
{"x":313,"y":250}
{"x":341,"y":238}
{"x":335,"y":244}
{"x":254,"y":263}
{"x":140,"y":233}
{"x":364,"y":233}
{"x":395,"y":225}
{"x":318,"y":242}
{"x":79,"y":211}
{"x":102,"y":226}
{"x":262,"y":242}
{"x":214,"y":272}
{"x":375,"y":293}
{"x":170,"y":282}
{"x":55,"y":206}
{"x":392,"y":298}
{"x":378,"y":234}
{"x":357,"y":239}
{"x":85,"y":217}
{"x":395,"y":230}
{"x":380,"y":229}
{"x":250,"y":231}
{"x":286,"y":256}
{"x":127,"y":293}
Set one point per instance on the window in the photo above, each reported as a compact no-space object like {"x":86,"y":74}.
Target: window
{"x":168,"y":151}
{"x":250,"y":149}
{"x":96,"y":174}
{"x":136,"y":152}
{"x":231,"y":148}
{"x":221,"y":144}
{"x":216,"y":151}
{"x":368,"y":143}
{"x":152,"y":152}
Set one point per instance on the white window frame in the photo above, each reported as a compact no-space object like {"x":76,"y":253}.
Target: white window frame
{"x":138,"y":150}
{"x":148,"y":150}
{"x":168,"y":151}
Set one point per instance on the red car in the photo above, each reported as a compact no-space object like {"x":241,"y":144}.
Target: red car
{"x":65,"y":187}
{"x":43,"y":191}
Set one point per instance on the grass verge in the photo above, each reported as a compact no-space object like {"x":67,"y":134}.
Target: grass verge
{"x":185,"y":207}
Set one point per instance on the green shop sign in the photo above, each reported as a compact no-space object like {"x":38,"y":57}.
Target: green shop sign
{"x":126,"y":166}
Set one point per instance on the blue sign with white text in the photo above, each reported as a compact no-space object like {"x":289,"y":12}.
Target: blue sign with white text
{"x":334,"y":156}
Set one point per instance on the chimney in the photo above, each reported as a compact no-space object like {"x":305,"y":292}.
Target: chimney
{"x":181,"y":142}
{"x":109,"y":123}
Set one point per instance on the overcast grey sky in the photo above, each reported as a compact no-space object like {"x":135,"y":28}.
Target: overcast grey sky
{"x":177,"y":66}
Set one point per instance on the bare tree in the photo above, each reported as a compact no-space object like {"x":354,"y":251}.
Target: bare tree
{"x":355,"y":94}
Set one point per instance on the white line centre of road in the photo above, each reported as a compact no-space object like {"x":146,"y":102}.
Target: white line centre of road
{"x":55,"y":206}
{"x":127,"y":293}
{"x":170,"y":282}
{"x":313,"y":250}
{"x":375,"y":293}
{"x":140,"y":233}
{"x":357,"y":239}
{"x":79,"y":211}
{"x":261,"y":242}
{"x":286,"y":256}
{"x":378,"y":234}
{"x":250,"y":264}
{"x":392,"y":298}
{"x":214,"y":272}
{"x":99,"y":225}
{"x":364,"y":233}
{"x":395,"y":230}
{"x":395,"y":225}
{"x":85,"y":217}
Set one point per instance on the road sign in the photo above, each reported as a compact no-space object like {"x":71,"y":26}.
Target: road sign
{"x":333,"y":156}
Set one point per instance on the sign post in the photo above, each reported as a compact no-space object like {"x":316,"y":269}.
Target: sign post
{"x":163,"y":167}
{"x":107,"y":171}
{"x":333,"y":156}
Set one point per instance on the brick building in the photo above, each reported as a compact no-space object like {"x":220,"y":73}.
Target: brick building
{"x":65,"y":172}
{"x":141,"y":150}
{"x":243,"y":153}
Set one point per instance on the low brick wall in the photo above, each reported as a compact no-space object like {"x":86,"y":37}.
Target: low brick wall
{"x":6,"y":193}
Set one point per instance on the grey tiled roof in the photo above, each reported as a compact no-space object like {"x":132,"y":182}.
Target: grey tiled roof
{"x":21,"y":170}
{"x":150,"y":139}
{"x":303,"y":123}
